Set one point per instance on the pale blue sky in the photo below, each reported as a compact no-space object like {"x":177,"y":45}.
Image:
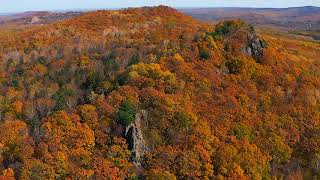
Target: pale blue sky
{"x":28,"y":5}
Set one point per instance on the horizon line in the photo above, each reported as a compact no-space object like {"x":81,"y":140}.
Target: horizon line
{"x":119,"y":8}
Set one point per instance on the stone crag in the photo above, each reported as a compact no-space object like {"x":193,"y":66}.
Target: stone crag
{"x":134,"y":133}
{"x":255,"y":47}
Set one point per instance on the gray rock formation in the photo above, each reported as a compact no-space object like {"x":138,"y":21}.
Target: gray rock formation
{"x":139,"y":146}
{"x":255,"y":47}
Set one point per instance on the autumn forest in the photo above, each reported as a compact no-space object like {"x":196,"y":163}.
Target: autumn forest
{"x":152,"y":93}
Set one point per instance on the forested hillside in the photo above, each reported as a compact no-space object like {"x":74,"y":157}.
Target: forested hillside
{"x":150,"y":93}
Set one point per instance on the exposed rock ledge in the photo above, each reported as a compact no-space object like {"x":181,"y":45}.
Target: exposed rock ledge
{"x":255,"y":47}
{"x":134,"y":132}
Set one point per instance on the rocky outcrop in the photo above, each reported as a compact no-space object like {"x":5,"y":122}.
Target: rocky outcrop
{"x":134,"y":134}
{"x":239,"y":36}
{"x":255,"y":47}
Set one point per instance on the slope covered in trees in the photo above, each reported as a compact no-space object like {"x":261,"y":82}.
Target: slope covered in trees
{"x":218,"y":102}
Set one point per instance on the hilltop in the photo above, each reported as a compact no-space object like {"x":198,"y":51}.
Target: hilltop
{"x":152,"y":93}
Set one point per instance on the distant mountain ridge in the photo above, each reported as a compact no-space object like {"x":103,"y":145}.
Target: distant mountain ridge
{"x":37,"y":17}
{"x":306,"y":18}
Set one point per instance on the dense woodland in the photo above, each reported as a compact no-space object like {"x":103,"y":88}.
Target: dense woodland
{"x":218,"y":102}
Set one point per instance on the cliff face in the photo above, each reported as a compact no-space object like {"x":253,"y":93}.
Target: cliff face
{"x":134,"y":133}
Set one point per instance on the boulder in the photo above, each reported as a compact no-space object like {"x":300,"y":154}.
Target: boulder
{"x":255,"y":47}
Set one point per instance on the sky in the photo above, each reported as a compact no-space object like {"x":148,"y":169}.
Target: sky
{"x":35,"y":5}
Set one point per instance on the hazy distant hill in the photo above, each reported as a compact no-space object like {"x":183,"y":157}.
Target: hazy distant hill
{"x":302,"y":18}
{"x":15,"y":16}
{"x":35,"y":17}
